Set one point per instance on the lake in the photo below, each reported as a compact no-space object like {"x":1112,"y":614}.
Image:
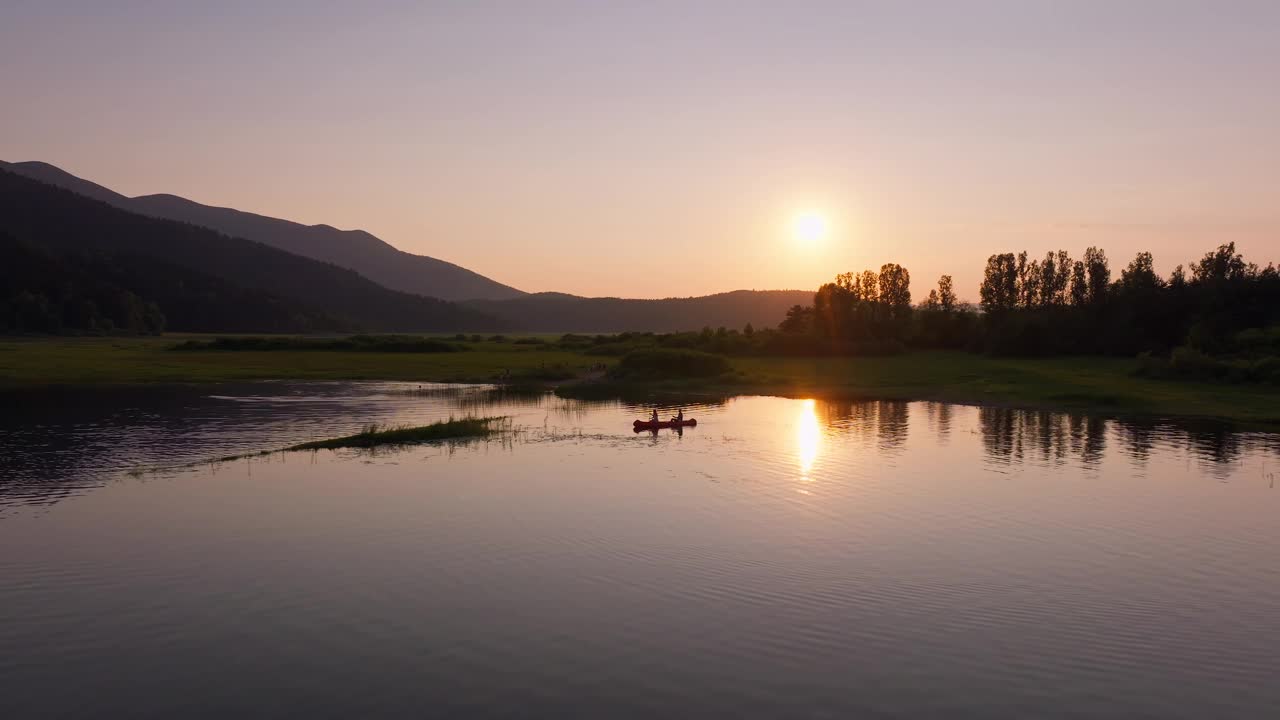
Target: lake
{"x":785,"y":558}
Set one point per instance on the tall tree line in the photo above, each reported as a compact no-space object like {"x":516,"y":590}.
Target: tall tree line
{"x":1058,"y":305}
{"x":1051,"y":305}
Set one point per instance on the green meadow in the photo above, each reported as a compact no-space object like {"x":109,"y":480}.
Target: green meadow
{"x":1103,"y":385}
{"x":95,"y":361}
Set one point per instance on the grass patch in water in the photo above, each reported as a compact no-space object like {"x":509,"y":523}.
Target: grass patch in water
{"x":378,"y":435}
{"x":372,"y":436}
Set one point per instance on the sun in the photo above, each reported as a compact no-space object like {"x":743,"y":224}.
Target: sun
{"x":809,"y":227}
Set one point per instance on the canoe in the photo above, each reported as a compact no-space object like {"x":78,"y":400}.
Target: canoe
{"x":650,"y":425}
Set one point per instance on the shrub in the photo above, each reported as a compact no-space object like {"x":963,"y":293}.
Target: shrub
{"x":1151,"y":366}
{"x":355,"y":343}
{"x":1267,"y":370}
{"x":544,"y":373}
{"x":1259,"y":340}
{"x":671,"y":363}
{"x":1191,"y":363}
{"x":1187,"y":363}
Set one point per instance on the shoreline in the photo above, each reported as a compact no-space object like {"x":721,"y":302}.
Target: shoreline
{"x":658,"y":392}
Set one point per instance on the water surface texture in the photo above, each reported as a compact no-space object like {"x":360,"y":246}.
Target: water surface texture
{"x":785,"y":558}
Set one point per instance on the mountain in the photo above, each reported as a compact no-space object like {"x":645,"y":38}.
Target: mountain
{"x":63,"y":222}
{"x":556,"y":312}
{"x":353,"y":249}
{"x":98,"y":292}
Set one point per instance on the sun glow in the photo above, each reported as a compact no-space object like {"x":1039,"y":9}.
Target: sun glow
{"x":808,"y":437}
{"x":809,"y":227}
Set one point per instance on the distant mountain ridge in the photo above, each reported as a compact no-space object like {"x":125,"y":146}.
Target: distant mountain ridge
{"x":216,"y":271}
{"x":353,"y":249}
{"x":384,"y":265}
{"x":557,"y":312}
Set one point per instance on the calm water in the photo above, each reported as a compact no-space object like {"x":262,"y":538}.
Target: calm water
{"x":785,"y":558}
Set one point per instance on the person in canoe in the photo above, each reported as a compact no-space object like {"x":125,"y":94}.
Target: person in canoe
{"x":654,"y":417}
{"x":679,"y":418}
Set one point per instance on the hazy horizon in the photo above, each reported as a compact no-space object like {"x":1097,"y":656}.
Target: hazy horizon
{"x":665,"y":151}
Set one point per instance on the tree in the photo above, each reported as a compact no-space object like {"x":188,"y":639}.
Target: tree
{"x":1055,"y":276}
{"x":1220,"y":266}
{"x":999,"y":291}
{"x":932,"y":302}
{"x":1028,"y":281}
{"x":1048,"y":280}
{"x":946,"y":295}
{"x":867,"y":287}
{"x":1099,"y":271}
{"x":155,"y":320}
{"x":1140,"y":275}
{"x":1065,"y":263}
{"x":833,"y":305}
{"x":1079,"y":285}
{"x":895,"y":288}
{"x":799,"y":319}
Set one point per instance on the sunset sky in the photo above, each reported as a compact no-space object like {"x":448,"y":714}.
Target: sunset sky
{"x":666,"y":148}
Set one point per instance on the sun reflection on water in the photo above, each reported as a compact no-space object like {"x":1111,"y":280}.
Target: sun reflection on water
{"x":808,"y":437}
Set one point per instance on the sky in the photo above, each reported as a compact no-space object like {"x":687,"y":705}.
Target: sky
{"x":654,"y":149}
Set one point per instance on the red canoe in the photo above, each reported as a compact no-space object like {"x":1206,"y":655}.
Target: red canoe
{"x":650,"y":425}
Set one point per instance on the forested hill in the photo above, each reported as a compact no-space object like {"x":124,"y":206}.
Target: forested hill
{"x":86,"y":292}
{"x":556,"y":312}
{"x":353,"y":249}
{"x":61,"y":222}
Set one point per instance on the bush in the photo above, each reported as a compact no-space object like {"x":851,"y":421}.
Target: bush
{"x":1267,"y":370}
{"x":611,"y":350}
{"x":1191,"y":363}
{"x":671,"y":363}
{"x":1187,"y":363}
{"x":1257,"y":341}
{"x":1151,"y":366}
{"x":544,"y":373}
{"x":355,"y":343}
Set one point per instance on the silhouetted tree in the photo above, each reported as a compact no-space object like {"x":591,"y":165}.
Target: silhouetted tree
{"x":946,"y":295}
{"x":1055,"y":277}
{"x":999,"y":291}
{"x":799,"y":320}
{"x":894,"y":283}
{"x":1140,"y":276}
{"x":1079,"y":284}
{"x":931,"y":302}
{"x":1099,"y":271}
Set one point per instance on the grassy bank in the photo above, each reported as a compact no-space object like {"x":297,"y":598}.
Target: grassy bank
{"x":95,"y":361}
{"x":1106,"y":385}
